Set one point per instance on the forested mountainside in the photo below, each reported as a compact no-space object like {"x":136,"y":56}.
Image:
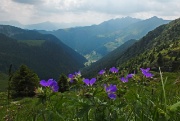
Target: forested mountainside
{"x":159,"y":48}
{"x":108,"y":60}
{"x":45,"y":54}
{"x":106,"y":36}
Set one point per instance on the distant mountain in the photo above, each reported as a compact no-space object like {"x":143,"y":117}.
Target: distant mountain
{"x":12,"y":23}
{"x":48,"y":26}
{"x":42,"y":26}
{"x":43,"y":53}
{"x":159,"y":48}
{"x":105,"y":37}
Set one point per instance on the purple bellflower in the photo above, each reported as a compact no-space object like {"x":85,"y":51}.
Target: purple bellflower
{"x":146,"y":73}
{"x":124,"y":79}
{"x":50,"y":83}
{"x":102,"y":72}
{"x":113,"y":70}
{"x":111,"y":91}
{"x":78,"y":73}
{"x":129,"y":76}
{"x":71,"y":77}
{"x":89,"y":82}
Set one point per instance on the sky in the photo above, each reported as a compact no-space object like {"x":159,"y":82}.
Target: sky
{"x":85,"y":12}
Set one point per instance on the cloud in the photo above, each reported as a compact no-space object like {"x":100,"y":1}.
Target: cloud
{"x":28,"y":1}
{"x":90,"y":11}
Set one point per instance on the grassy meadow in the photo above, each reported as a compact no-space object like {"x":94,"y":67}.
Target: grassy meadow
{"x":139,"y":99}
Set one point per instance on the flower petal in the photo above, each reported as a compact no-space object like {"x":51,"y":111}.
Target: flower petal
{"x":86,"y":81}
{"x":101,"y":72}
{"x":92,"y":81}
{"x":124,"y":80}
{"x":43,"y":83}
{"x":112,"y":96}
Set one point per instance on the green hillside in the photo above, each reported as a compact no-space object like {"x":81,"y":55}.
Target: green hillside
{"x":159,"y":48}
{"x":107,"y":61}
{"x":107,"y":36}
{"x":45,"y":54}
{"x":3,"y":82}
{"x":32,"y":42}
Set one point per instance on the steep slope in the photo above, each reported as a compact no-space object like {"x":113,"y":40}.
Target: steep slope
{"x":108,"y":60}
{"x":106,"y":36}
{"x":159,"y":48}
{"x":45,"y":54}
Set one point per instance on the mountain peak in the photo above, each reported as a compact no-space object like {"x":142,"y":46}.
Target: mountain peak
{"x":155,"y":18}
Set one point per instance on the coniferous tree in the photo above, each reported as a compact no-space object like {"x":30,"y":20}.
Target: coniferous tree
{"x":24,"y":82}
{"x":63,"y":83}
{"x":160,"y":59}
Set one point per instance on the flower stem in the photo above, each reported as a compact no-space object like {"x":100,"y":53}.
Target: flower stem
{"x":164,"y":92}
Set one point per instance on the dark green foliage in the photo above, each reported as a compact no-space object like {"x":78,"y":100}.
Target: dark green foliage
{"x":45,"y":54}
{"x":63,"y":83}
{"x":160,"y":60}
{"x":24,"y":82}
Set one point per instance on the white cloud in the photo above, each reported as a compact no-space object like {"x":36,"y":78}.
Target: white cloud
{"x":86,"y":11}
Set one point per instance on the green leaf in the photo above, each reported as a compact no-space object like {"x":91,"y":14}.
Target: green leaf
{"x":174,"y":107}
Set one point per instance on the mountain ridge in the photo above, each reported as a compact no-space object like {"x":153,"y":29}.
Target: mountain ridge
{"x":107,"y":36}
{"x":159,"y":48}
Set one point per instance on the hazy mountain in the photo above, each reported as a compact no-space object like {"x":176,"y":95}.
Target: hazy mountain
{"x":159,"y":48}
{"x":48,"y":26}
{"x":12,"y":23}
{"x":106,"y":36}
{"x":42,"y":26}
{"x":43,"y":53}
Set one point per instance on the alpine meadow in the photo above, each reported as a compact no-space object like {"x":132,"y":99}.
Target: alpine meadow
{"x":56,"y":65}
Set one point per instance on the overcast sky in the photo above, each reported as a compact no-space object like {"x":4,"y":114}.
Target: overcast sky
{"x":85,"y":11}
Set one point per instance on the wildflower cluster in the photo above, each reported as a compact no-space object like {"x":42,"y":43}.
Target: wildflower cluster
{"x":114,"y":70}
{"x":111,"y":90}
{"x":146,"y":72}
{"x":125,"y":79}
{"x":74,"y":76}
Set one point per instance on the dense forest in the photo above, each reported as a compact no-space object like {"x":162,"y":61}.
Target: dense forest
{"x":45,"y":54}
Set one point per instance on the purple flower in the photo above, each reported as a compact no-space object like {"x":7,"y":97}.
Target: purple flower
{"x":111,"y":91}
{"x":145,"y":70}
{"x":129,"y":75}
{"x":111,"y":88}
{"x":89,"y":82}
{"x":102,"y":72}
{"x":71,"y":77}
{"x":43,"y":83}
{"x":124,"y":80}
{"x":113,"y":70}
{"x":146,"y":73}
{"x":112,"y":95}
{"x":50,"y":83}
{"x":78,"y":73}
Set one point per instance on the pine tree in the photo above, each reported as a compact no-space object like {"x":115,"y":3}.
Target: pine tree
{"x":24,"y":82}
{"x":63,"y":83}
